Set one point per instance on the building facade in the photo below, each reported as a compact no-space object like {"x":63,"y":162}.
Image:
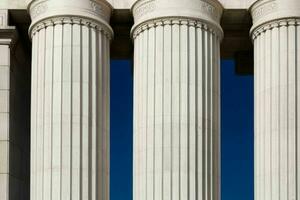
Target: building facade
{"x":55,"y":95}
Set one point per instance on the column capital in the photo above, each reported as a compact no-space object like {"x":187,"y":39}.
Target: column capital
{"x":267,"y":14}
{"x":95,"y":13}
{"x":206,"y":12}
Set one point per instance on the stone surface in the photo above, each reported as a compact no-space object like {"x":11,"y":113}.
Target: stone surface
{"x":4,"y":126}
{"x":70,"y":94}
{"x":4,"y":77}
{"x":4,"y":91}
{"x":125,"y":4}
{"x":4,"y":110}
{"x":176,"y":133}
{"x":4,"y":157}
{"x":176,"y":100}
{"x":5,"y":55}
{"x":4,"y":189}
{"x":276,"y":33}
{"x":236,"y":23}
{"x":4,"y":101}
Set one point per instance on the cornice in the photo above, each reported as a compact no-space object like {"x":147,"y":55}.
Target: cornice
{"x":206,"y":11}
{"x":92,"y":13}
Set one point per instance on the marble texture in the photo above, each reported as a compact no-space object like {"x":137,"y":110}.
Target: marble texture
{"x":275,"y":34}
{"x":176,"y":102}
{"x":70,"y":101}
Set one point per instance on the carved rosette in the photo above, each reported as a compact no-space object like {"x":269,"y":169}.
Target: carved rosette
{"x":92,"y":13}
{"x":151,"y":13}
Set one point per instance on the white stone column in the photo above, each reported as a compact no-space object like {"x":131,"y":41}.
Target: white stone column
{"x":176,"y":99}
{"x":276,"y":37}
{"x":70,"y":99}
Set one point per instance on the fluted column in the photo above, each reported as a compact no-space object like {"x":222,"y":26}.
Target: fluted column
{"x":276,"y":37}
{"x":70,"y":99}
{"x":176,"y":100}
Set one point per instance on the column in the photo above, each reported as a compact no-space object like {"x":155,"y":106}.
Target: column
{"x":70,"y":99}
{"x":176,"y":99}
{"x":276,"y":37}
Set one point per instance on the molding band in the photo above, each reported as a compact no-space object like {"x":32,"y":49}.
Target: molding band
{"x":198,"y":13}
{"x":179,"y":21}
{"x":72,"y":20}
{"x":92,"y":13}
{"x":268,"y":14}
{"x":274,"y":24}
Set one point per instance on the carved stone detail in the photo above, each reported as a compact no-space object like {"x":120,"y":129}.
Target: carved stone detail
{"x":143,"y":8}
{"x":181,"y":21}
{"x":275,"y":24}
{"x":96,"y":7}
{"x":99,"y":9}
{"x":150,"y":13}
{"x":72,"y":20}
{"x":92,"y":13}
{"x":264,"y":9}
{"x":38,"y":9}
{"x":209,"y":10}
{"x":147,"y":6}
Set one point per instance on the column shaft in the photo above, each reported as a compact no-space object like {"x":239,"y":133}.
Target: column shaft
{"x":276,"y":36}
{"x":276,"y":111}
{"x":176,"y":111}
{"x":70,"y":111}
{"x":70,"y":100}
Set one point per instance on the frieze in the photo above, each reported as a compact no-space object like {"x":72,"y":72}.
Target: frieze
{"x":99,"y":9}
{"x":96,"y":7}
{"x":264,"y":9}
{"x":209,"y":9}
{"x":143,"y":8}
{"x":39,"y":8}
{"x":93,"y":7}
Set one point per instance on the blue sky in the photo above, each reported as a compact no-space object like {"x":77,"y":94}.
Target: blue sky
{"x":236,"y":132}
